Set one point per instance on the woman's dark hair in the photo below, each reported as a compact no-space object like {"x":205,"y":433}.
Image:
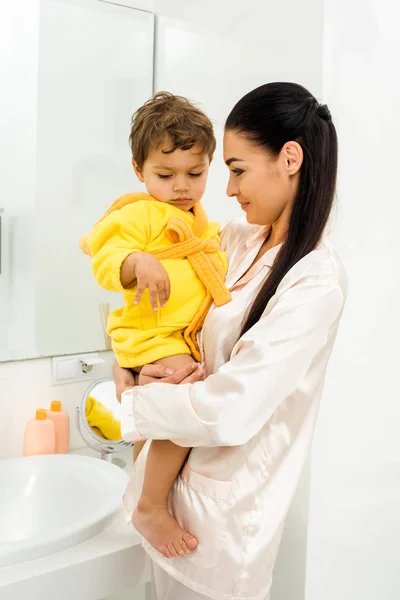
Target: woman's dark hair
{"x":270,"y":116}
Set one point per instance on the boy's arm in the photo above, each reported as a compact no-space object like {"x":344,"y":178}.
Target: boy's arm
{"x":128,"y":271}
{"x":114,"y":242}
{"x":117,"y":245}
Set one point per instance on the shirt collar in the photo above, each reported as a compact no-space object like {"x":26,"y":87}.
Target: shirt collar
{"x":269,"y":257}
{"x":257,"y":238}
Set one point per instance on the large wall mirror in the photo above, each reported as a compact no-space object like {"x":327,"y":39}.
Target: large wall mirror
{"x":65,"y":158}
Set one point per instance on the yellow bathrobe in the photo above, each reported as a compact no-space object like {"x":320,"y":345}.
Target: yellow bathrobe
{"x":187,"y":245}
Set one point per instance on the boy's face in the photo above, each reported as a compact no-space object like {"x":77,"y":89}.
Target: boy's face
{"x":178,"y":178}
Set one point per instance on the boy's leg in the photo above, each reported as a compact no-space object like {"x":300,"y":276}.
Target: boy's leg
{"x":163,"y":464}
{"x":152,"y":518}
{"x":137,"y":448}
{"x":175,"y":362}
{"x":171,"y":362}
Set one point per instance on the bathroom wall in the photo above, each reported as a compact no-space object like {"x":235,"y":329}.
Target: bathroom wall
{"x":354,"y":526}
{"x":25,"y":386}
{"x":216,"y":54}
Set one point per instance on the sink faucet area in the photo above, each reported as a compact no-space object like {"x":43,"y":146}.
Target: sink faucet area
{"x":63,"y":533}
{"x":50,"y":503}
{"x":61,"y":517}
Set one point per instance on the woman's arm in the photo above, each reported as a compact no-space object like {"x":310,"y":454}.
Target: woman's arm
{"x":266,"y":366}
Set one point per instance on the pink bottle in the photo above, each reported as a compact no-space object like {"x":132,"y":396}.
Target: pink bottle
{"x":40,"y":435}
{"x":61,"y":423}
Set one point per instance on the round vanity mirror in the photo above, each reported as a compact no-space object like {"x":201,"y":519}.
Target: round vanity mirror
{"x":99,"y":419}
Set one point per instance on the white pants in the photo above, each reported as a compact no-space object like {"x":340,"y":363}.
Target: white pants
{"x":164,"y":587}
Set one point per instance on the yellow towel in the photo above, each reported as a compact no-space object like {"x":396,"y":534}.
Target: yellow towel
{"x":200,"y":253}
{"x":102,"y":420}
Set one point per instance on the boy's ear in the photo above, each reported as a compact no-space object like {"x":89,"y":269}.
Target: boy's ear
{"x":139,"y":173}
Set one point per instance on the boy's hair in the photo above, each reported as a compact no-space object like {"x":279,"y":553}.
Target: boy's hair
{"x":172,"y":121}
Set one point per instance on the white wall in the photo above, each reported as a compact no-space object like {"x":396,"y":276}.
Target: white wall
{"x":214,"y":62}
{"x":354,"y":527}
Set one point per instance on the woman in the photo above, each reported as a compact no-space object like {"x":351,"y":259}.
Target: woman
{"x":250,"y":422}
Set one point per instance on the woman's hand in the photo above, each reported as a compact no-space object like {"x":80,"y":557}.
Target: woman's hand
{"x":125,"y":379}
{"x":159,"y":374}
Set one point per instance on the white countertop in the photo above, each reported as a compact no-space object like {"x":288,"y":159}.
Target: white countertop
{"x":101,"y":566}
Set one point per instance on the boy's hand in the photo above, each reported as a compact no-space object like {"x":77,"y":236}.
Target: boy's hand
{"x":149,"y":273}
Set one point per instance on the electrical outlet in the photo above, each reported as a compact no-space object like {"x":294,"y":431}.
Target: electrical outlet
{"x":75,"y":368}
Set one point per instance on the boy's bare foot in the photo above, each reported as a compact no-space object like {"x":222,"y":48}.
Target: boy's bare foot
{"x":160,"y":529}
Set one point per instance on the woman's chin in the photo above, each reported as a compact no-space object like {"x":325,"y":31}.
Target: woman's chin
{"x":251,"y":220}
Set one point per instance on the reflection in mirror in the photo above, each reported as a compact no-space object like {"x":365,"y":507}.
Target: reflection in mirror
{"x":99,"y":419}
{"x":102,"y":411}
{"x":85,"y":66}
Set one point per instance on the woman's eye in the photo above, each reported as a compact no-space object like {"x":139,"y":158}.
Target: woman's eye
{"x":237,"y":172}
{"x":195,"y":174}
{"x":164,"y":176}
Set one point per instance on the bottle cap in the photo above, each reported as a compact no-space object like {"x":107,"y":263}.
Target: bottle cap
{"x":41,"y":414}
{"x":56,"y":406}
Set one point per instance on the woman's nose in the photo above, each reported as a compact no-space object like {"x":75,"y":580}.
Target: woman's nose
{"x":232,"y":189}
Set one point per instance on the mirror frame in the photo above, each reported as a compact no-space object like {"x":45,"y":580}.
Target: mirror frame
{"x":90,"y":438}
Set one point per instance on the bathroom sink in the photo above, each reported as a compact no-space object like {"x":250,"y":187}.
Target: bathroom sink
{"x":49,"y":503}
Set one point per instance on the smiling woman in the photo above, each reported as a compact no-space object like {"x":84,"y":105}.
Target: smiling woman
{"x":255,"y":174}
{"x":251,"y":421}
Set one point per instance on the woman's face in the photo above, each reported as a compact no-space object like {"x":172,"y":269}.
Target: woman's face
{"x":264,"y":185}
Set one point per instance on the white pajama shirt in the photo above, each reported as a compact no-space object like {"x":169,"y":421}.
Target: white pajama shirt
{"x":250,"y":422}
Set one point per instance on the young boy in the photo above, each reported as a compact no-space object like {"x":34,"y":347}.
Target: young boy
{"x":161,"y":252}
